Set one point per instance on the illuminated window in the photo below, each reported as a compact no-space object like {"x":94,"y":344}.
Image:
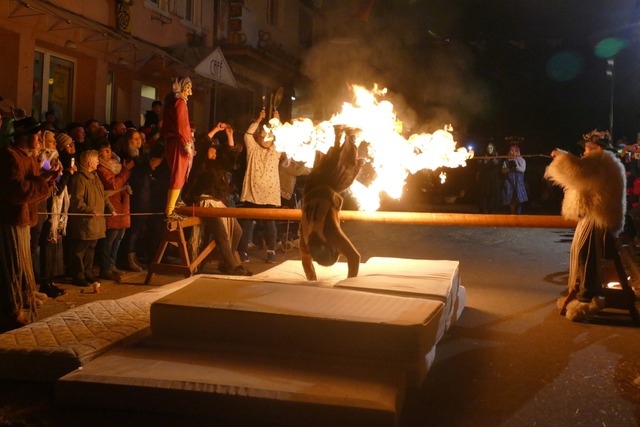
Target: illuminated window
{"x":109,"y":103}
{"x":53,"y":84}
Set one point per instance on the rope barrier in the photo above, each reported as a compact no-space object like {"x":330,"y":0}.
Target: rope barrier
{"x":103,"y":214}
{"x":508,"y":157}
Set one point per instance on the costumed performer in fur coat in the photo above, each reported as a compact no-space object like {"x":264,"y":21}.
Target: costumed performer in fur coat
{"x":594,"y":187}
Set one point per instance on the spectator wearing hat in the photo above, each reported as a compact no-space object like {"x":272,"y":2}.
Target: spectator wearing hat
{"x":22,"y":186}
{"x":594,"y":187}
{"x":68,"y":157}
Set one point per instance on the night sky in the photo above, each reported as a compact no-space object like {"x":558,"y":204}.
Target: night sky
{"x":491,"y":68}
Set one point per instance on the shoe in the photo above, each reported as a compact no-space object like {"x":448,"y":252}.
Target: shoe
{"x":174,"y":216}
{"x":578,"y":311}
{"x":244,"y":257}
{"x":117,"y":270}
{"x":251,"y":245}
{"x":133,"y":265}
{"x":41,"y":296}
{"x":81,"y":282}
{"x":109,"y":275}
{"x":239,"y":271}
{"x":51,"y":290}
{"x":180,"y":204}
{"x":271,"y":257}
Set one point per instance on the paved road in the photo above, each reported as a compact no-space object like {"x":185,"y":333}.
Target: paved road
{"x":511,"y":360}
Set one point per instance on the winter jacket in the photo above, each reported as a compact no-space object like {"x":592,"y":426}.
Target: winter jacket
{"x":87,"y":196}
{"x":21,"y":187}
{"x":121,"y":200}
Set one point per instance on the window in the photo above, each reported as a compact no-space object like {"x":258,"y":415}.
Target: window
{"x":109,"y":103}
{"x":189,"y":11}
{"x":157,"y":4}
{"x":148,"y":94}
{"x":183,"y":8}
{"x":53,"y":84}
{"x":273,"y":10}
{"x":153,"y":3}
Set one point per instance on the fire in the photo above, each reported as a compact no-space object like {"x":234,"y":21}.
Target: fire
{"x":390,"y":157}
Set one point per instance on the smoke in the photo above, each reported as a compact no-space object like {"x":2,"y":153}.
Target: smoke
{"x":430,"y":80}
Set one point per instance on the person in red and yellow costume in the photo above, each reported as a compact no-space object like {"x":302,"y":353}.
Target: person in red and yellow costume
{"x":179,"y":141}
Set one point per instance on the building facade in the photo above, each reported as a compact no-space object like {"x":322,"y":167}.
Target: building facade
{"x":109,"y":59}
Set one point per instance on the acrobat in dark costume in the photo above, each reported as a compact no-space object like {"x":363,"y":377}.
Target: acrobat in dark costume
{"x":321,"y":237}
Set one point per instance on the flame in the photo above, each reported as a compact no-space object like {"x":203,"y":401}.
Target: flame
{"x":390,"y":157}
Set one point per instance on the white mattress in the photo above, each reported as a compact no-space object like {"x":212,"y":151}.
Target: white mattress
{"x":47,"y":349}
{"x":337,"y":322}
{"x":333,"y":352}
{"x":430,"y":279}
{"x":238,"y":386}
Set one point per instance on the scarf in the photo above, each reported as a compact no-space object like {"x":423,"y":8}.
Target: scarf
{"x":113,"y":164}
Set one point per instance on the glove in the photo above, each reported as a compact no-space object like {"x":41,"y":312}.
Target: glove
{"x":188,"y":150}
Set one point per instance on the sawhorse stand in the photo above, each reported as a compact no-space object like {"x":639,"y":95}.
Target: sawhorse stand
{"x":174,"y":235}
{"x":619,"y":297}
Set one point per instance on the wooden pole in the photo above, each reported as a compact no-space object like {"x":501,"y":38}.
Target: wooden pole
{"x":421,"y":218}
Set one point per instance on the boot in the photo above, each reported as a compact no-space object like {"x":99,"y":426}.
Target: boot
{"x":133,"y":264}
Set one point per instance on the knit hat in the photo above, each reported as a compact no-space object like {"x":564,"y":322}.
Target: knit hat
{"x":62,"y":140}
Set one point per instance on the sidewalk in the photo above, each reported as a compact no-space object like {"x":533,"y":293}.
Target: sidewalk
{"x":133,"y":283}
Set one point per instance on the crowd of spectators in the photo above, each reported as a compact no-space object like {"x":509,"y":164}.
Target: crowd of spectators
{"x":101,"y":205}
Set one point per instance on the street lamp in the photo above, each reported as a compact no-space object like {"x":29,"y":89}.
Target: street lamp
{"x":610,"y":65}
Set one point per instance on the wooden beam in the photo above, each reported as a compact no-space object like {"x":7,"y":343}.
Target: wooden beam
{"x":423,"y":218}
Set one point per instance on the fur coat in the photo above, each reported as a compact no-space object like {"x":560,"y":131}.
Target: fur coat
{"x":594,"y":187}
